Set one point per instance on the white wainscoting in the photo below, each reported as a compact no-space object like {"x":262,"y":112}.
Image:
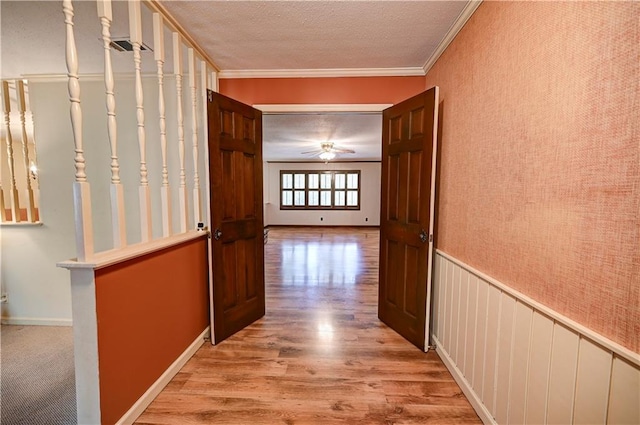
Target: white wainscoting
{"x":519,"y":362}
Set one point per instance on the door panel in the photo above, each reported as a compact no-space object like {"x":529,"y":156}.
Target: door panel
{"x":407,"y":215}
{"x":392,"y":189}
{"x":414,"y":187}
{"x":235,"y":152}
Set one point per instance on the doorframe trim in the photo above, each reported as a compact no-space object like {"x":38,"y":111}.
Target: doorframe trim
{"x":328,"y":107}
{"x":432,"y":214}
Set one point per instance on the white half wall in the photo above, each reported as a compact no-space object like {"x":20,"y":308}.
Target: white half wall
{"x":519,"y":362}
{"x":368,"y":215}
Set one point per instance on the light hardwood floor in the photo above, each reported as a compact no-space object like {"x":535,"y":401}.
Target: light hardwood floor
{"x":320,"y":355}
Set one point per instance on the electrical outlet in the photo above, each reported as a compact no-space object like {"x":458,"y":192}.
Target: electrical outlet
{"x":4,"y":298}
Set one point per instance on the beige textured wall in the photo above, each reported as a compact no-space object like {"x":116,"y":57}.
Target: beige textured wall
{"x":540,"y":169}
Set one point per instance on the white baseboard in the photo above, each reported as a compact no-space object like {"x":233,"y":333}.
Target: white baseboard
{"x":478,"y":406}
{"x":155,"y":389}
{"x":36,"y":321}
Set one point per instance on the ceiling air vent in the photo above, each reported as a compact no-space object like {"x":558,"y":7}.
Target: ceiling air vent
{"x":124,"y":45}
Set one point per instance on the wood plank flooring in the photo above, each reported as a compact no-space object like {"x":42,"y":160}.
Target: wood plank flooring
{"x":320,"y":355}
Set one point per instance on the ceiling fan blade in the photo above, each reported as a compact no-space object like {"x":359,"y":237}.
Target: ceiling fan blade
{"x":341,"y":149}
{"x":313,"y":152}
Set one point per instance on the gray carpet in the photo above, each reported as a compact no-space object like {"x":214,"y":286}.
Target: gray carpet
{"x":37,"y":381}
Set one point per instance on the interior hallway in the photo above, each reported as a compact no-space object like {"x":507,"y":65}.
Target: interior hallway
{"x":320,"y":355}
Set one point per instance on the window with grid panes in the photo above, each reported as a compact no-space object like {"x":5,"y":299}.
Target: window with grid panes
{"x":320,"y":190}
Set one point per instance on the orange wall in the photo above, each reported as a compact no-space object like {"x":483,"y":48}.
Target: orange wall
{"x":321,"y":90}
{"x":149,"y":309}
{"x":540,"y":170}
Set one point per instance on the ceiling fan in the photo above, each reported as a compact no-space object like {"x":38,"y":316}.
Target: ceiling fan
{"x":328,"y":151}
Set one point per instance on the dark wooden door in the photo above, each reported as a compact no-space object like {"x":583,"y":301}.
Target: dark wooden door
{"x":237,"y":231}
{"x":409,"y":143}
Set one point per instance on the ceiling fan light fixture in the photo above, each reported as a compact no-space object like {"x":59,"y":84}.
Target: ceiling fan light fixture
{"x":327,"y":156}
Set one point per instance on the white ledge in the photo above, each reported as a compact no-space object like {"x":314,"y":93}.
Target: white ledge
{"x":21,"y":224}
{"x":115,"y":256}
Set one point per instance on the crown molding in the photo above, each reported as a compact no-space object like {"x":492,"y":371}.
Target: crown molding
{"x":315,"y":108}
{"x":174,"y":25}
{"x":451,"y":34}
{"x":322,"y":73}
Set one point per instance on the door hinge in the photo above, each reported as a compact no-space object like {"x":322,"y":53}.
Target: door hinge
{"x":430,"y":238}
{"x":210,"y":95}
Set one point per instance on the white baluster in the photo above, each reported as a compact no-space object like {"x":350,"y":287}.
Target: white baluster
{"x":165,"y":192}
{"x":13,"y":190}
{"x":22,"y":107}
{"x":182,"y":190}
{"x":81,"y":188}
{"x":197,"y":206}
{"x":118,"y":226}
{"x":135,"y":31}
{"x":204,"y":84}
{"x":3,"y":212}
{"x":33,"y":151}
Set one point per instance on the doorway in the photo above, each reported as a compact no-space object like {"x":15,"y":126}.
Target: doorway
{"x":320,"y":354}
{"x":326,"y":254}
{"x":408,"y":174}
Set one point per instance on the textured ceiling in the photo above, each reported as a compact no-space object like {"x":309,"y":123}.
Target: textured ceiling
{"x":244,"y":35}
{"x":32,"y":39}
{"x":286,"y":136}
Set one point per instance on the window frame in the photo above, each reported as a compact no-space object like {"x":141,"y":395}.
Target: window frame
{"x":319,"y":190}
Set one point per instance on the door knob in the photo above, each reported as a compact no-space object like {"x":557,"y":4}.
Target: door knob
{"x":217,"y":234}
{"x":423,"y":236}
